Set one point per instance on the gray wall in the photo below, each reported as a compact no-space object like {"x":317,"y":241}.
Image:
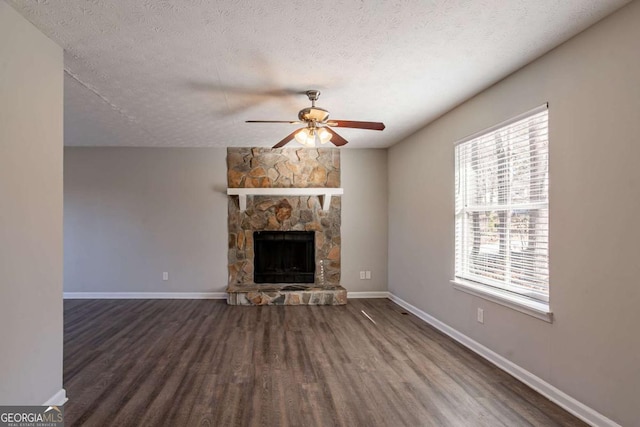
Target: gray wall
{"x":364,"y":219}
{"x":30,"y":213}
{"x":592,"y":350}
{"x":132,"y":213}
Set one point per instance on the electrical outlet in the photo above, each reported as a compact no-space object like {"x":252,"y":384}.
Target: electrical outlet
{"x":367,"y":275}
{"x":165,"y":275}
{"x":480,"y":315}
{"x":362,"y":275}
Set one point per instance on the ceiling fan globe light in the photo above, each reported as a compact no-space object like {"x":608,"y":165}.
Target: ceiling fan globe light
{"x":306,"y":137}
{"x":301,"y":136}
{"x":324,"y":136}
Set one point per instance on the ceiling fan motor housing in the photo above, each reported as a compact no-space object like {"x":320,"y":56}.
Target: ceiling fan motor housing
{"x":313,"y":114}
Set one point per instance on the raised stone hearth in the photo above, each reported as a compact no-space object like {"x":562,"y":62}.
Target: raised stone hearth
{"x":286,"y":294}
{"x":284,"y":168}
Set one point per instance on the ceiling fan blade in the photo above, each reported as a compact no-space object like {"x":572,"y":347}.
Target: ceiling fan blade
{"x":273,"y":121}
{"x":336,"y":139}
{"x":356,"y":125}
{"x":286,"y":139}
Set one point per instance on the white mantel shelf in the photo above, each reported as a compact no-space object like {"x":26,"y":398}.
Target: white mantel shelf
{"x":326,"y":194}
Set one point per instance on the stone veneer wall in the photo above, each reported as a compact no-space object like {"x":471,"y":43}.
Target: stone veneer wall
{"x":283,"y":168}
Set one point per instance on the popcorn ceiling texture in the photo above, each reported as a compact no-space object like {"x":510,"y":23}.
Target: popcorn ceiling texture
{"x":188,"y":73}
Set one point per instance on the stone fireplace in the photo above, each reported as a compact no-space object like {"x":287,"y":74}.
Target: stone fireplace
{"x":284,"y":192}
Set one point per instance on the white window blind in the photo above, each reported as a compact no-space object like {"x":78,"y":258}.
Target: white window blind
{"x":502,"y":206}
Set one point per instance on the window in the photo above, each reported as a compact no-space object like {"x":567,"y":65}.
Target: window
{"x":502,"y":208}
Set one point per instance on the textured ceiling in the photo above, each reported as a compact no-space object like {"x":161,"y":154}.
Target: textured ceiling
{"x":188,"y":73}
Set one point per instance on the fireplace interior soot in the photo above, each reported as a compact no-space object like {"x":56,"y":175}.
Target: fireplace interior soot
{"x":284,"y":257}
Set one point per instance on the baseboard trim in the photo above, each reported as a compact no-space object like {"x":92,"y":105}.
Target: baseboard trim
{"x":58,"y":399}
{"x":188,"y":295}
{"x":373,"y":294}
{"x":557,"y":396}
{"x":145,"y":295}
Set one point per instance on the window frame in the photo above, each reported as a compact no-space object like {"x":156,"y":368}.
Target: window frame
{"x":537,"y":305}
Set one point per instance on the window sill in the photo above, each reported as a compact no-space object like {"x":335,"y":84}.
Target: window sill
{"x":539,"y":310}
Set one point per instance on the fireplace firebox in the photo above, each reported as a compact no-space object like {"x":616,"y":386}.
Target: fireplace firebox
{"x":284,"y":257}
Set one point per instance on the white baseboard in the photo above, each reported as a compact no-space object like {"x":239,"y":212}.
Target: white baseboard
{"x":383,"y":294}
{"x":145,"y":295}
{"x":187,"y":295}
{"x":58,"y":399}
{"x":557,"y":396}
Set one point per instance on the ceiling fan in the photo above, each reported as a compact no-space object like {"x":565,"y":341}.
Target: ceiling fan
{"x":318,"y":126}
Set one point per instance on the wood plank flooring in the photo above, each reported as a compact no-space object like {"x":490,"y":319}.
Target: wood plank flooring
{"x":204,"y":363}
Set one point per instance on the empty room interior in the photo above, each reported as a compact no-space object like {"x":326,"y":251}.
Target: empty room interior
{"x":387,"y":213}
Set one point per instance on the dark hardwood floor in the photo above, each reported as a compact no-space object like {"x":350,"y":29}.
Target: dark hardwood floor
{"x":204,"y":363}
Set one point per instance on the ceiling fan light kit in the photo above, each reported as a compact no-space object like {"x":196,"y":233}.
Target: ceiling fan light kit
{"x":318,"y":126}
{"x":310,"y":136}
